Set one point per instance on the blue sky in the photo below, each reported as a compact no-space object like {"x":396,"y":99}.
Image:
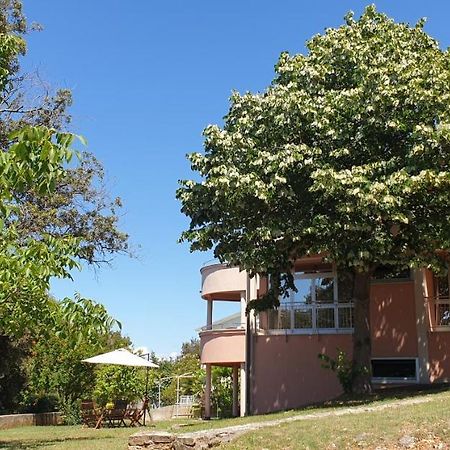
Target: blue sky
{"x":147,"y":77}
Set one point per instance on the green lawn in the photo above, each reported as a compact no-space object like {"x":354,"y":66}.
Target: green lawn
{"x":429,"y":421}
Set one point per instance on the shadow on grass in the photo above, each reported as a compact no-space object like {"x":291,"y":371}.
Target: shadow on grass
{"x":381,"y":394}
{"x":38,"y":443}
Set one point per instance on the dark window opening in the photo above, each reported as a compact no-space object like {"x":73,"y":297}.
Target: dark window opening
{"x":388,"y":272}
{"x":394,"y":368}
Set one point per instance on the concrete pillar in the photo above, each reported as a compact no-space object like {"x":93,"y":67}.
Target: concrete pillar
{"x":243,"y":391}
{"x":209,"y":314}
{"x":208,"y":392}
{"x":253,"y":293}
{"x":243,"y":309}
{"x":235,"y":391}
{"x":422,"y":321}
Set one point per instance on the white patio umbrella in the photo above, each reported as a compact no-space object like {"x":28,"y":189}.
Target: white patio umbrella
{"x":123,"y":357}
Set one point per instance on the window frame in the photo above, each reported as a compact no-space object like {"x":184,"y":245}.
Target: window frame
{"x":440,"y":300}
{"x":289,"y":303}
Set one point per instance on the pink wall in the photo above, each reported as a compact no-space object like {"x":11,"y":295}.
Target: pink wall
{"x":222,"y":346}
{"x":287,"y":372}
{"x":222,"y":282}
{"x":393,"y":319}
{"x":439,"y":355}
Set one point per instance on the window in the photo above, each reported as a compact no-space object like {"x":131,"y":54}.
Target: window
{"x":442,"y":301}
{"x":391,"y":273}
{"x":315,"y":305}
{"x":394,"y":369}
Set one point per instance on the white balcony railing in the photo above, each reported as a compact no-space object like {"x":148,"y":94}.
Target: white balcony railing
{"x":311,"y":317}
{"x":442,"y":311}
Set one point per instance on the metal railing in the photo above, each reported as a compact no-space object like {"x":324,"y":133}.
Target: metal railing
{"x":442,"y":311}
{"x":237,"y":326}
{"x":301,"y":316}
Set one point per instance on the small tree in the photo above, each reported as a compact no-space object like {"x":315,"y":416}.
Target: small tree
{"x":346,"y":154}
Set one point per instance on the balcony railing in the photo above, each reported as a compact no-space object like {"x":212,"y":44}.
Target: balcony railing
{"x":311,"y":317}
{"x":222,"y":327}
{"x":442,"y":311}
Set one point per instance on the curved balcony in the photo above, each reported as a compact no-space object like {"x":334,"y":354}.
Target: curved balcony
{"x":222,"y":282}
{"x":222,"y":347}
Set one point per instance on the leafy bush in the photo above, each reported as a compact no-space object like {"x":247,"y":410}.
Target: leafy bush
{"x":343,"y":367}
{"x":71,"y":411}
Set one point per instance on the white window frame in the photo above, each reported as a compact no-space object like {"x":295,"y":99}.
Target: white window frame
{"x":290,"y":303}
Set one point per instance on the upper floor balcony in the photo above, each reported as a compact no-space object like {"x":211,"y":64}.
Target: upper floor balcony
{"x":222,"y":282}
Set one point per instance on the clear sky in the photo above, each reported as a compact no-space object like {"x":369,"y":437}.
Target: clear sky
{"x":147,"y":76}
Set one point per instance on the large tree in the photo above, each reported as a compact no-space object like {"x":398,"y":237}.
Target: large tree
{"x":80,"y":205}
{"x":51,"y":216}
{"x":346,"y":154}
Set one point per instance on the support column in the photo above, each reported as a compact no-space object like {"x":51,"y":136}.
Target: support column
{"x":208,"y":392}
{"x":422,"y":321}
{"x":209,"y":314}
{"x":243,"y":309}
{"x":235,"y":391}
{"x":243,"y":391}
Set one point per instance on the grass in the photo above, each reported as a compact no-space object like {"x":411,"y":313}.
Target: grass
{"x":427,"y":422}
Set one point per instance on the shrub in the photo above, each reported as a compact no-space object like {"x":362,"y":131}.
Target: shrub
{"x":343,"y":367}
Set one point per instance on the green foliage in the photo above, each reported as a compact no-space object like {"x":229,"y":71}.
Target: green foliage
{"x":12,"y":373}
{"x":118,"y":382}
{"x":80,"y":205}
{"x":222,"y":390}
{"x":70,"y":410}
{"x":35,"y":157}
{"x":51,"y":216}
{"x":346,"y":154}
{"x":344,"y":368}
{"x":79,"y":328}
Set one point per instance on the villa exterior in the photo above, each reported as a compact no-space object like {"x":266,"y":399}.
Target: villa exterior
{"x":274,"y":355}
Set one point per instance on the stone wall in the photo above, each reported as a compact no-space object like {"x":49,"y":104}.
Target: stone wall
{"x":24,"y":420}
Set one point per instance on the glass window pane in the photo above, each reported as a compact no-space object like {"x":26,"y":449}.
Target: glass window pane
{"x":325,"y":317}
{"x":345,"y":317}
{"x":303,"y":294}
{"x":394,"y":368}
{"x":324,"y":290}
{"x":302,"y":318}
{"x":285,"y":319}
{"x":443,"y":314}
{"x":442,"y":288}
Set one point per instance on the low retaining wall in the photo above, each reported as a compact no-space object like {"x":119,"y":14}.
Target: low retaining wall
{"x":170,"y":412}
{"x":199,"y":440}
{"x":24,"y":420}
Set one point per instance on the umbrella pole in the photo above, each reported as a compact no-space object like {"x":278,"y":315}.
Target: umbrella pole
{"x":146,"y":386}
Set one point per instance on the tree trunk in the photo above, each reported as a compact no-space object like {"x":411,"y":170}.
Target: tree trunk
{"x":362,"y":348}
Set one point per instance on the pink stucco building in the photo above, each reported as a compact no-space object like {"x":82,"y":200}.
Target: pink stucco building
{"x":274,"y":355}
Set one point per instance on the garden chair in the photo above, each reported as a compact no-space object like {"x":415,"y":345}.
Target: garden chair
{"x":136,"y":414}
{"x":91,"y":416}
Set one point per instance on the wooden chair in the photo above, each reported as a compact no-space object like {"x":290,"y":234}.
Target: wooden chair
{"x":90,"y":414}
{"x":136,"y":414}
